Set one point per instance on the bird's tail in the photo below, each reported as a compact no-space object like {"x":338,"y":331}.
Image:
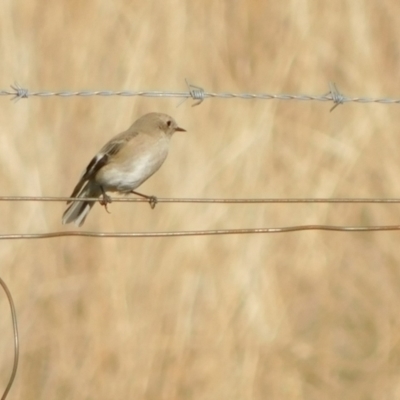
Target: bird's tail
{"x":77,"y":211}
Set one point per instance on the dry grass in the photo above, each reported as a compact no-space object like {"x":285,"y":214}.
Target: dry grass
{"x":294,"y":316}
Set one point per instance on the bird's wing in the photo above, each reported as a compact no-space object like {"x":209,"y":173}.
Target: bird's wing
{"x":101,"y":158}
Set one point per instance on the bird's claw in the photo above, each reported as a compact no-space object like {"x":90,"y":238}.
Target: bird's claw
{"x":104,"y":201}
{"x":153,"y":201}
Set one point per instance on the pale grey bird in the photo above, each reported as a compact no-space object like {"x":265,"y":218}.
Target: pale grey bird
{"x":123,"y":164}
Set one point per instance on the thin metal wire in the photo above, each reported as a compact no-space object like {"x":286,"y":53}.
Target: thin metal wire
{"x":198,"y":94}
{"x":212,"y":232}
{"x":208,"y":201}
{"x":16,"y":338}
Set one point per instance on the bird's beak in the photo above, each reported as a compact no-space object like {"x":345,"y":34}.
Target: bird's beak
{"x":180,"y":129}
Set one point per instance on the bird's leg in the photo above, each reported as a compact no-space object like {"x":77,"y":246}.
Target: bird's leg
{"x":152,"y":199}
{"x":105,"y":199}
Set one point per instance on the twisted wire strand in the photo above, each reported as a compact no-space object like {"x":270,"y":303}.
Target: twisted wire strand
{"x":198,"y":94}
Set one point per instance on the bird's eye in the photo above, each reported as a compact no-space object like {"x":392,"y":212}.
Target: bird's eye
{"x":169,"y":123}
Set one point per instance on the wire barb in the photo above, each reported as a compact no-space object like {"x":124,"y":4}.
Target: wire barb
{"x":20,"y":93}
{"x":336,"y":96}
{"x":196,"y":92}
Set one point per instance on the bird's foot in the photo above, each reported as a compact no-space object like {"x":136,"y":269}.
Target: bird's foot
{"x":106,"y":199}
{"x":152,"y":201}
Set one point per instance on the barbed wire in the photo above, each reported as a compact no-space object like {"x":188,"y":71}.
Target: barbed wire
{"x":16,"y":338}
{"x":211,"y":232}
{"x":198,"y":94}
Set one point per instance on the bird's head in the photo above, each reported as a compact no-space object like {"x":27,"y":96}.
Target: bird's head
{"x":153,"y":122}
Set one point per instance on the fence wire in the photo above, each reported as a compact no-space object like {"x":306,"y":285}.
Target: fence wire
{"x":343,"y":200}
{"x":16,"y":338}
{"x":198,"y":94}
{"x":211,"y":232}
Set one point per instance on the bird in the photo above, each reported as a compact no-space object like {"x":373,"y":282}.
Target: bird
{"x":123,"y":164}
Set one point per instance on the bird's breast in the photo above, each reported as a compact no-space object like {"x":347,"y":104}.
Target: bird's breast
{"x":125,"y":172}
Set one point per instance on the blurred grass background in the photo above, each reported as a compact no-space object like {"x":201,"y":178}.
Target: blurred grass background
{"x":307,"y":315}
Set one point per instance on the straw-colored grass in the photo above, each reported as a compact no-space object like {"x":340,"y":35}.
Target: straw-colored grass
{"x":307,"y":315}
